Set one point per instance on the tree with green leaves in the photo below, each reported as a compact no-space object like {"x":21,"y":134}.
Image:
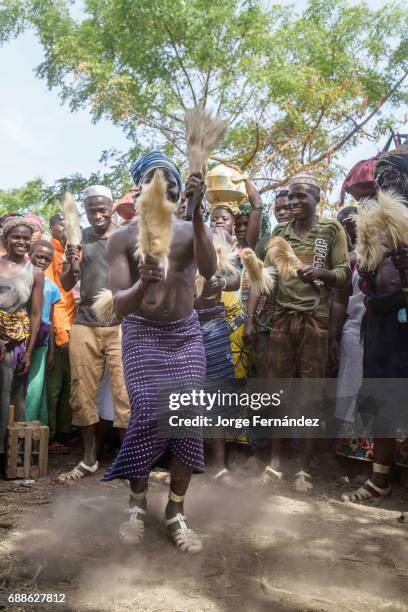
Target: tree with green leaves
{"x":31,"y":198}
{"x":45,"y":200}
{"x":295,"y":90}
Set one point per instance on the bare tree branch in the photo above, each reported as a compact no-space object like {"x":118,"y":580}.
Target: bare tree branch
{"x":180,"y":61}
{"x":206,"y":86}
{"x":358,"y":127}
{"x":177,"y":94}
{"x":313,"y":129}
{"x":224,"y":160}
{"x":257,"y":139}
{"x":171,"y":135}
{"x":277,"y":151}
{"x":274,"y":185}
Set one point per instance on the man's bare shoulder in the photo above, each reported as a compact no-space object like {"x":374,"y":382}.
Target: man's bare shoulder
{"x":184,"y":229}
{"x":121,"y":238}
{"x":182,"y":234}
{"x":182,"y":225}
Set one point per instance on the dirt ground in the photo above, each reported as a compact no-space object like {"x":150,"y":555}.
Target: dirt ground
{"x":263,"y":549}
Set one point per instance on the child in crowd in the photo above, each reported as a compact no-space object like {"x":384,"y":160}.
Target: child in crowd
{"x":59,"y":376}
{"x":36,"y":400}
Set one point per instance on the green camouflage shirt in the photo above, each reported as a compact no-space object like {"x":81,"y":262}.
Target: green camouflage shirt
{"x":325,"y":246}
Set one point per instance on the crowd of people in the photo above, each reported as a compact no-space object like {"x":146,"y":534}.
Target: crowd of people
{"x":199,"y":322}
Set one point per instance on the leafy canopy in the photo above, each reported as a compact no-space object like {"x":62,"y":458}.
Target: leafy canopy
{"x":294,"y":89}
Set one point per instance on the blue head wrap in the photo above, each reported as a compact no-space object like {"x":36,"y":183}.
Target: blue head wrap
{"x":150,"y":162}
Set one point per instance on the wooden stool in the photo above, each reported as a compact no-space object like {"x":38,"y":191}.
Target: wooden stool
{"x":27,"y":448}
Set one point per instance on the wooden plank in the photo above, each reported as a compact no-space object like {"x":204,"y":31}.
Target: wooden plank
{"x":11,"y":412}
{"x":27,"y":453}
{"x":43,"y":458}
{"x":12,"y":453}
{"x":35,"y":442}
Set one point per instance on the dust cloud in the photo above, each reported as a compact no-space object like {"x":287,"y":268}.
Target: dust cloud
{"x":263,"y":550}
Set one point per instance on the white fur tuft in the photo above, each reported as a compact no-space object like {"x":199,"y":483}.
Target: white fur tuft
{"x":260,"y":278}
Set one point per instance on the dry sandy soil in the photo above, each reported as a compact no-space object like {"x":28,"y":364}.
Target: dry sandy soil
{"x":264,"y":550}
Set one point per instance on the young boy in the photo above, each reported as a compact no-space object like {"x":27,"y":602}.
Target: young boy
{"x":41,"y":256}
{"x":59,"y":374}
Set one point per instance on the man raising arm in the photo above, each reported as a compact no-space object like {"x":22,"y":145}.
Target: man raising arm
{"x":162,"y":344}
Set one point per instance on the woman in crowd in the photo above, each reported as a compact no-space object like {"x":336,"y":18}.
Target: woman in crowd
{"x":217,"y":346}
{"x":346,"y":349}
{"x":21,"y":287}
{"x":38,"y":223}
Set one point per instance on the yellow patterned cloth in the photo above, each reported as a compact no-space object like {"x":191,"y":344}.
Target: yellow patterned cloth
{"x":231,"y":206}
{"x":242,"y":355}
{"x":14,"y":327}
{"x":235,"y":316}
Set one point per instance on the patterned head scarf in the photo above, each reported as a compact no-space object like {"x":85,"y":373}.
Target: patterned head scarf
{"x":7,"y":216}
{"x":231,"y":206}
{"x":245,"y":209}
{"x":397,"y":159}
{"x":36,"y":220}
{"x":15,"y":221}
{"x":153,"y":161}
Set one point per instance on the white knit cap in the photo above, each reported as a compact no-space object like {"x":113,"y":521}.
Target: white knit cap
{"x":97,"y":190}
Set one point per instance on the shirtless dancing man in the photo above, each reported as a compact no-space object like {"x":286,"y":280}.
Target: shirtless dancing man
{"x":162,"y":343}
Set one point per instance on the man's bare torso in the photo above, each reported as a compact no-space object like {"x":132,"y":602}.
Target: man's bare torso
{"x":387,"y":279}
{"x":175,"y":294}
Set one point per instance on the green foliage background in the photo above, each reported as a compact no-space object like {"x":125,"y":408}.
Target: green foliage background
{"x":295,"y":89}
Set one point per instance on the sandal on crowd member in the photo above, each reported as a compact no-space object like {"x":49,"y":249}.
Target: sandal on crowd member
{"x":364,"y":493}
{"x":224,"y":476}
{"x":269,"y":475}
{"x":56,"y":448}
{"x":303,"y":482}
{"x":78,"y":472}
{"x":161,"y":477}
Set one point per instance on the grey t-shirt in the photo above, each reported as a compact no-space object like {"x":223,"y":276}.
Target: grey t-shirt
{"x":94,"y":277}
{"x":15,"y":291}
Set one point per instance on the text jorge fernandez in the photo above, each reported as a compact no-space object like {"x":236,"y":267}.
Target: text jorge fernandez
{"x":254,"y":401}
